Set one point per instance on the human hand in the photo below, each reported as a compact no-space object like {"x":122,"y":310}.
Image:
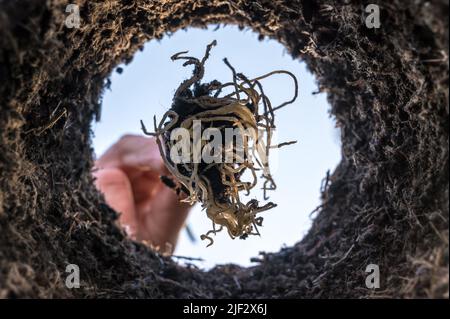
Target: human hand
{"x":128,"y":175}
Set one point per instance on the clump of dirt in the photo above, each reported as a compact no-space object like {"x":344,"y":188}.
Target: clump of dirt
{"x":212,"y":173}
{"x":385,"y":204}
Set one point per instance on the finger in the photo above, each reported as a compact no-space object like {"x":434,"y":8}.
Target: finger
{"x":145,"y":185}
{"x":116,"y":189}
{"x":148,"y":158}
{"x":166,"y":218}
{"x":136,"y":152}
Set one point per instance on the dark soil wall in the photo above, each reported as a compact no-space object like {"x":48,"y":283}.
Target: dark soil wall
{"x":386,"y":203}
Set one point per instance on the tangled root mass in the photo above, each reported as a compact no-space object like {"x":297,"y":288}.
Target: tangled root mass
{"x":219,"y":184}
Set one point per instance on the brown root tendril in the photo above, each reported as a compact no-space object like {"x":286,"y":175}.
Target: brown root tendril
{"x":218,"y":186}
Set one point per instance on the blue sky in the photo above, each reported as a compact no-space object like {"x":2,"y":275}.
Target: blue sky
{"x":146,"y":87}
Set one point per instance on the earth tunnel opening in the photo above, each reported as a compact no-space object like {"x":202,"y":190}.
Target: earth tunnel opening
{"x":145,"y":87}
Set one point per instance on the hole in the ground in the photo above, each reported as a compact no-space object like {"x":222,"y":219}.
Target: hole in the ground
{"x":146,"y":86}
